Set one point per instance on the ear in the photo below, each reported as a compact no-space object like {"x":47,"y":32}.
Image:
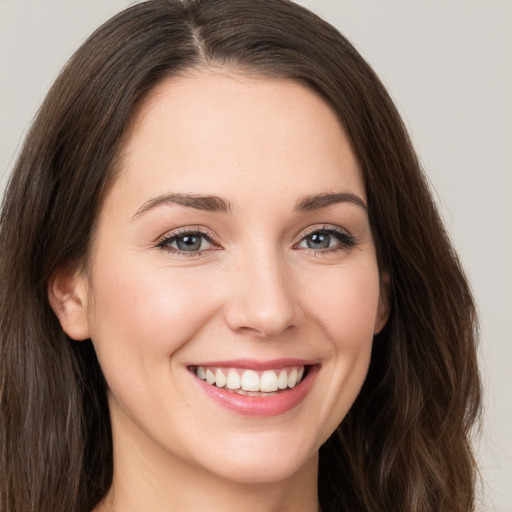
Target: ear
{"x":68,"y":292}
{"x":383,"y":307}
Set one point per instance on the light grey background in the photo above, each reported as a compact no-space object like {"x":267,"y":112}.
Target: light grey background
{"x":447,"y":64}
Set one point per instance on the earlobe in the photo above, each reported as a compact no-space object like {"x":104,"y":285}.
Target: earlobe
{"x":383,"y":308}
{"x":68,"y":297}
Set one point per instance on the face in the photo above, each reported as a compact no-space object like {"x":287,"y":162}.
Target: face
{"x":233,"y":290}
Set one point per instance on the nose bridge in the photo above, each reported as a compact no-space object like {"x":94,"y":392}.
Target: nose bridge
{"x":262,"y":302}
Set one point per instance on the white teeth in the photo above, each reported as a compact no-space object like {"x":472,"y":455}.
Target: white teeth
{"x":250,"y":381}
{"x":210,"y":377}
{"x":292,"y":378}
{"x":233,"y":381}
{"x":282,"y":381}
{"x":220,"y":378}
{"x":269,"y":381}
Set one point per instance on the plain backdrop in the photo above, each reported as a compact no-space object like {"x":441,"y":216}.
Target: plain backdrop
{"x":447,"y":64}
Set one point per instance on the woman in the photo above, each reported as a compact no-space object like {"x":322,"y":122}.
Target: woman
{"x":225,"y":283}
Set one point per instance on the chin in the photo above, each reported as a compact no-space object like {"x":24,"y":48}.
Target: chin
{"x":262,"y":459}
{"x":257,"y":471}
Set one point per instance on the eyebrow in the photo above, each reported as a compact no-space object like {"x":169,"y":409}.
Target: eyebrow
{"x":318,"y":201}
{"x":217,"y":204}
{"x":199,"y":202}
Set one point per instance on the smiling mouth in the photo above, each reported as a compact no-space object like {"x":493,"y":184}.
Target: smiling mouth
{"x":250,"y":382}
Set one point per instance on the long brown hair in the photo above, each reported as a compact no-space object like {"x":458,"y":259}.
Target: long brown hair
{"x":404,"y":445}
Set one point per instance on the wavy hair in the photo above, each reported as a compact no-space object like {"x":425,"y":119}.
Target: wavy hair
{"x":405,"y":443}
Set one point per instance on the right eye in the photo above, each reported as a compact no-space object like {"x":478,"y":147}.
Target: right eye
{"x":187,"y":243}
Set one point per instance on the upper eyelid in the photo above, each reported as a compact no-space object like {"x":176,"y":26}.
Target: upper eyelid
{"x":164,"y":243}
{"x":345,"y":237}
{"x":323,"y":227}
{"x":207,"y":233}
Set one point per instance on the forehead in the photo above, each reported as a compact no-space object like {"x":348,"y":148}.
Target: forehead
{"x":222,"y":133}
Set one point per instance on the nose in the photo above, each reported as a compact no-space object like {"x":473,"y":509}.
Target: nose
{"x":261,"y":298}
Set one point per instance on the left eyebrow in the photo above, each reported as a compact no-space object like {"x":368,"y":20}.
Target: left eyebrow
{"x":318,"y":201}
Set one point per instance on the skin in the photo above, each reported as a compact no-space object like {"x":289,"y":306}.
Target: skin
{"x":256,"y":291}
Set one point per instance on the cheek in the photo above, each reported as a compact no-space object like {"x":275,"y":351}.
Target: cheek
{"x":345,"y":302}
{"x":146,"y":312}
{"x":346,"y":313}
{"x":138,"y":334}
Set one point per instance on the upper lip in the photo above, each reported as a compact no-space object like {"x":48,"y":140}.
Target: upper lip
{"x":257,"y":364}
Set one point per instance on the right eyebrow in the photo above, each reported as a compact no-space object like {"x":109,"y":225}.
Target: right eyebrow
{"x":199,"y":202}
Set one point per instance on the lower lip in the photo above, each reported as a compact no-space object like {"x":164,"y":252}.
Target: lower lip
{"x":272,"y":405}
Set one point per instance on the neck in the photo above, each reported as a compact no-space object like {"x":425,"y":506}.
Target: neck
{"x":188,"y":495}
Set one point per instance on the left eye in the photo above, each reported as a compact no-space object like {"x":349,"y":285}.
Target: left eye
{"x":187,"y":242}
{"x":325,"y":239}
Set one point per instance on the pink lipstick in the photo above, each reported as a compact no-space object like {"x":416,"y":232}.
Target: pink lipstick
{"x":256,"y":388}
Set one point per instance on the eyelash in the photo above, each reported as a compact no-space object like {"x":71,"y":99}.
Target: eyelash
{"x":166,"y":241}
{"x":345,"y":241}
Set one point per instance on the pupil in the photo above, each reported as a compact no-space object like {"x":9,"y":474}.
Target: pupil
{"x":318,"y":241}
{"x":189,"y":243}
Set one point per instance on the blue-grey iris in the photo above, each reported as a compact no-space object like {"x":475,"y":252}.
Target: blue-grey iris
{"x":318,"y":241}
{"x":189,"y":243}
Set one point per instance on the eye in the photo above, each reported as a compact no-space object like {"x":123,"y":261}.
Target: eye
{"x":187,"y":242}
{"x":325,"y":240}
